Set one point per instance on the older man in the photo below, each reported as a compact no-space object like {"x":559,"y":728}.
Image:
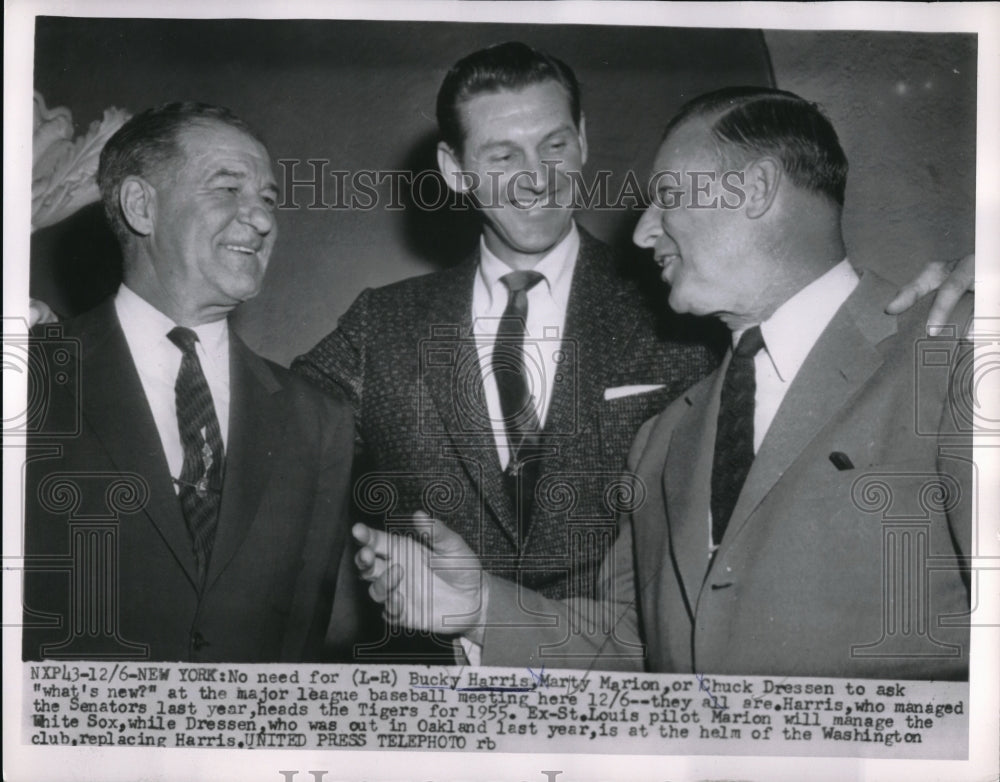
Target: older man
{"x":808,"y":504}
{"x":189,"y":497}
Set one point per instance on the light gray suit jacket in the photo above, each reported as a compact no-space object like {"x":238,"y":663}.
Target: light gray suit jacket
{"x":844,"y":553}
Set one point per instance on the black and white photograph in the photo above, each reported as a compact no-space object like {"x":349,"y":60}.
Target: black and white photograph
{"x":501,"y":390}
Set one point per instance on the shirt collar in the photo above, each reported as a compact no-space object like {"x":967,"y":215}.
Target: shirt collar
{"x":790,"y":333}
{"x":146,"y":324}
{"x":555,"y":267}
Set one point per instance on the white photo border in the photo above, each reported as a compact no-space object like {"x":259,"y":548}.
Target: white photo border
{"x":26,"y":762}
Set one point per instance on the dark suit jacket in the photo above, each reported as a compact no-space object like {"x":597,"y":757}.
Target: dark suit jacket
{"x":824,"y":570}
{"x":405,"y":357}
{"x":110,"y":567}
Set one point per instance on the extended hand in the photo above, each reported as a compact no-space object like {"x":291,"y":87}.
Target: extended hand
{"x":949,"y":278}
{"x":433,"y":585}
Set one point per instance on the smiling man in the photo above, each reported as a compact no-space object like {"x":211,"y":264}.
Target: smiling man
{"x":513,"y":151}
{"x":223,"y":477}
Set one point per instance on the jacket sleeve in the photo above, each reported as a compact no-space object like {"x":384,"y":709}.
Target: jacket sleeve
{"x":326,"y":548}
{"x":955,"y":455}
{"x":336,"y":364}
{"x":525,"y":629}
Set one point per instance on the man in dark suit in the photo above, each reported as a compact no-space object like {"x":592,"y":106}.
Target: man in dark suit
{"x":808,"y":505}
{"x":507,"y":412}
{"x":185,"y":498}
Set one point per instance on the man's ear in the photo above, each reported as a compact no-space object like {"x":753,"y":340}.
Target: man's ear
{"x":582,"y":135}
{"x":451,"y":169}
{"x":763,"y":177}
{"x":137,"y":200}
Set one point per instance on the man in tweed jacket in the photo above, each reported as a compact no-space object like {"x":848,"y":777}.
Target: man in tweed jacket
{"x":406,"y":354}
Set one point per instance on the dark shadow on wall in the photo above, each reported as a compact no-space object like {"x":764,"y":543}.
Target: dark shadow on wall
{"x":75,"y":263}
{"x":440,"y":227}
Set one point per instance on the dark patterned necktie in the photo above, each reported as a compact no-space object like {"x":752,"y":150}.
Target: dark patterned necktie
{"x":520,"y":417}
{"x":200,"y":482}
{"x":734,"y":435}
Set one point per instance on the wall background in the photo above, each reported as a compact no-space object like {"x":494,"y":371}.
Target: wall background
{"x":361,"y":95}
{"x":904,"y":105}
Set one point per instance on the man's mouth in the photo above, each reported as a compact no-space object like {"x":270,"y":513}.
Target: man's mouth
{"x":532,"y":202}
{"x":242,"y":248}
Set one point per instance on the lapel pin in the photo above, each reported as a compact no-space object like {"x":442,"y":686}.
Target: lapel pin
{"x":841,"y":461}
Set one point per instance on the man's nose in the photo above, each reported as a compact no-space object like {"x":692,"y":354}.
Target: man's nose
{"x":648,"y":230}
{"x":258,"y":214}
{"x":536,"y":176}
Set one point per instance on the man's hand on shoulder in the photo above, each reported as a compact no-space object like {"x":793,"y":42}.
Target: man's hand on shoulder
{"x":951,"y":279}
{"x":39,"y":312}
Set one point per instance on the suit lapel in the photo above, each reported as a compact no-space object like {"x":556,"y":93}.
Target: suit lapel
{"x":459,"y":397}
{"x":256,"y":420}
{"x":841,"y":362}
{"x":687,"y":483}
{"x":114,"y":404}
{"x":600,"y":321}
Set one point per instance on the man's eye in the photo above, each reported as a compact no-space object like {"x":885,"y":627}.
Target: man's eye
{"x":271,"y":201}
{"x":669,"y":199}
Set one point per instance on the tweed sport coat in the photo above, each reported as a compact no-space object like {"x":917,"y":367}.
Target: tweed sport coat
{"x":405,"y":357}
{"x":845,"y":555}
{"x":110,"y":570}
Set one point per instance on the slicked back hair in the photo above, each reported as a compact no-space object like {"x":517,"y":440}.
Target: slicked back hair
{"x":755,"y":121}
{"x":504,"y":66}
{"x":148,"y":144}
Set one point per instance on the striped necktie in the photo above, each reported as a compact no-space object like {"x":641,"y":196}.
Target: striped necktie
{"x":200,"y":482}
{"x":520,"y":416}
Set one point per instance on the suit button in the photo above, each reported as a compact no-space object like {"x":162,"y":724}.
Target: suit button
{"x":198,"y":641}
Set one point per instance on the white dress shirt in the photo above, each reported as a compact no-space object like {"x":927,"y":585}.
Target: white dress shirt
{"x":158,"y":360}
{"x":789,"y":335}
{"x":544,"y":326}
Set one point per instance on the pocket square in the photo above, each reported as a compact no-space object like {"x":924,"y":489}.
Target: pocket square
{"x":619,"y":391}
